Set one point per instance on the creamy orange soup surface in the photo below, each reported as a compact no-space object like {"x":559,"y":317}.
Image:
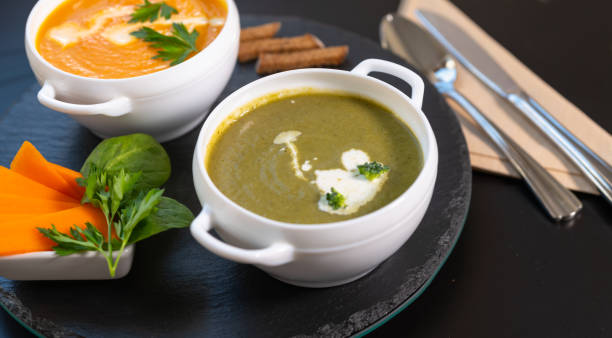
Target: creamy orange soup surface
{"x":92,"y":38}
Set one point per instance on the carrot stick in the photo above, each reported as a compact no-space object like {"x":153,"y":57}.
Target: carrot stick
{"x":15,"y":204}
{"x":21,"y":236}
{"x":70,"y":176}
{"x":7,"y":218}
{"x":31,"y":164}
{"x":16,"y":184}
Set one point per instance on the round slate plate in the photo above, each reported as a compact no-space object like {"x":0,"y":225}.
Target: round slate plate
{"x":177,"y":288}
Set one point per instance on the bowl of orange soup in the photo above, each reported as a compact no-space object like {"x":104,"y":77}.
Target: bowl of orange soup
{"x":126,"y":66}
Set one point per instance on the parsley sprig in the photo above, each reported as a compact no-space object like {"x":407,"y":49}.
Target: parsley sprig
{"x":152,"y":11}
{"x":176,"y":47}
{"x":335,"y":199}
{"x":123,"y":207}
{"x":372,"y":170}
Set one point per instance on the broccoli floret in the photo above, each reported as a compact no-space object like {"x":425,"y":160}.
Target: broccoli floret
{"x":372,"y":170}
{"x":335,"y":199}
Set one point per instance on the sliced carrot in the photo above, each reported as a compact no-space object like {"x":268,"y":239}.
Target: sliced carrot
{"x":21,"y":235}
{"x":70,"y":176}
{"x":16,"y":204}
{"x":31,"y":164}
{"x":6,"y":218}
{"x":16,"y":184}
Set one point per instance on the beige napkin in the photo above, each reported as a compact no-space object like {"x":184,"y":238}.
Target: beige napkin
{"x":483,"y":153}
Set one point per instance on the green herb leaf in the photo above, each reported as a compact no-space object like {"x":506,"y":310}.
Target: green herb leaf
{"x":176,"y":47}
{"x":92,"y":234}
{"x":180,"y":31}
{"x":169,"y":214}
{"x":67,"y":244}
{"x":123,"y":184}
{"x":372,"y":170}
{"x":138,"y":209}
{"x":166,"y":11}
{"x":152,"y":11}
{"x":131,"y":153}
{"x":335,"y":199}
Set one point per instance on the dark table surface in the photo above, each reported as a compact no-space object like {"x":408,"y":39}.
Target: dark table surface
{"x":513,"y":272}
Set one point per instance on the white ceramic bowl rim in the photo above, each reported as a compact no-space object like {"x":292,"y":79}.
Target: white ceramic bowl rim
{"x":428,"y":159}
{"x":199,"y":55}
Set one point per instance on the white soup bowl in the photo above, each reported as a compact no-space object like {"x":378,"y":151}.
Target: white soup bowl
{"x":328,"y":254}
{"x":165,"y":104}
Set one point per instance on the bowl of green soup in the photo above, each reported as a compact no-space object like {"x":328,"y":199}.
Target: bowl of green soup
{"x":315,"y":176}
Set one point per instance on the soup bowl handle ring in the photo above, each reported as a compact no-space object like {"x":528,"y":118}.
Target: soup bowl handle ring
{"x":115,"y":107}
{"x":278,"y":253}
{"x":415,"y":81}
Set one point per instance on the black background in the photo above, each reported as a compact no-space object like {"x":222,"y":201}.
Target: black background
{"x":513,"y":272}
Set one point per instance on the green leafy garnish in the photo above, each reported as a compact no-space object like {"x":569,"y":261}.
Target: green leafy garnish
{"x":111,"y":193}
{"x":133,"y":153}
{"x":79,"y":239}
{"x":152,"y":11}
{"x":169,"y":214}
{"x":335,"y":199}
{"x":176,"y":47}
{"x":372,"y":170}
{"x":122,"y":177}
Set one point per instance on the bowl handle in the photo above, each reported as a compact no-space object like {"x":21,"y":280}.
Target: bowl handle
{"x":276,"y":254}
{"x":375,"y":65}
{"x":115,"y":107}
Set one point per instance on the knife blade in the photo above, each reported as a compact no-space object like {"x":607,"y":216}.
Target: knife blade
{"x":469,"y":53}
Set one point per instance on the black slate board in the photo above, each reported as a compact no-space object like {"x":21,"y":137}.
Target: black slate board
{"x":177,"y":288}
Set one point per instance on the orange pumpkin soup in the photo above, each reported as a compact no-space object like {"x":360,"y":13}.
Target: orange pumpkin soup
{"x":92,"y":37}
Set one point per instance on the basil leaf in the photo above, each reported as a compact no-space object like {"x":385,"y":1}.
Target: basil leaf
{"x":170,"y":214}
{"x":132,"y":153}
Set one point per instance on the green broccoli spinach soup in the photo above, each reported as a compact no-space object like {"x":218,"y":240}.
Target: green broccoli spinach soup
{"x":313,"y":156}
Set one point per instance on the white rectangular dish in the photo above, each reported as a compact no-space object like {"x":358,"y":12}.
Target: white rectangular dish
{"x":46,"y":265}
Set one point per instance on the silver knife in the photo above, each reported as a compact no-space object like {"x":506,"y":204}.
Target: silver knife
{"x":476,"y":60}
